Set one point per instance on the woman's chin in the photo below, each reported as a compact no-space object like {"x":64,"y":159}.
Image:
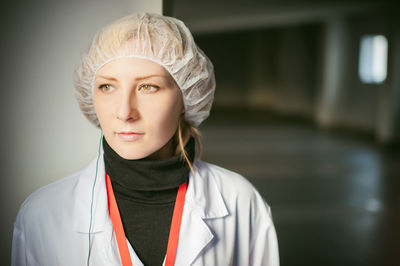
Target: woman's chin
{"x":139,"y":150}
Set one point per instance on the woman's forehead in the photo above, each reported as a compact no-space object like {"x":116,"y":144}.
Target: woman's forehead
{"x":132,"y":67}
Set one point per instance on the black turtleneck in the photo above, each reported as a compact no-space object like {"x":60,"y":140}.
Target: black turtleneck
{"x":145,"y":191}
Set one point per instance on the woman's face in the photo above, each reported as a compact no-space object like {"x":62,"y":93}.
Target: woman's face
{"x":138,"y":105}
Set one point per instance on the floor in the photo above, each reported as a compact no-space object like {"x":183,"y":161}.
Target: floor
{"x":335,"y":197}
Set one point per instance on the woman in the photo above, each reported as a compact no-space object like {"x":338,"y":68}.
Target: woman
{"x":147,"y":199}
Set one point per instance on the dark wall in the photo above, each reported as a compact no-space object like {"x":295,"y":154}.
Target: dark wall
{"x":275,"y":68}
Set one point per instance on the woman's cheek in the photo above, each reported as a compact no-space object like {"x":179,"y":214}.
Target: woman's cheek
{"x":168,"y":126}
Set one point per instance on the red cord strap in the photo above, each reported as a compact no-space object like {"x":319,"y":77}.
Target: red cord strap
{"x":119,"y":229}
{"x":175,"y":225}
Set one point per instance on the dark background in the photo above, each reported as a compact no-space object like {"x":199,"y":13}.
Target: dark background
{"x":292,"y":115}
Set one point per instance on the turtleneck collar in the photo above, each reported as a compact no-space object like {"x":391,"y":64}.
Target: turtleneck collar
{"x":144,"y":179}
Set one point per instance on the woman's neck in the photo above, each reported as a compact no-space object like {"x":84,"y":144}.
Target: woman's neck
{"x":165,"y":152}
{"x":146,"y":174}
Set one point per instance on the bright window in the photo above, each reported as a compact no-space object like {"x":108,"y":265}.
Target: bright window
{"x":373,"y":59}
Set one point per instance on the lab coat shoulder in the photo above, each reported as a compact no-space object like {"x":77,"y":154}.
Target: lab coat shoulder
{"x":49,"y":200}
{"x":43,"y":213}
{"x":249,"y":216}
{"x":232,"y":182}
{"x":235,"y":188}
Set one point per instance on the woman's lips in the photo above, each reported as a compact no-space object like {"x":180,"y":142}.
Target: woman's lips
{"x":129,"y":136}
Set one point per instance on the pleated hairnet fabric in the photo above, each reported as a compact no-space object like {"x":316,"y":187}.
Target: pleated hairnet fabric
{"x":161,"y":39}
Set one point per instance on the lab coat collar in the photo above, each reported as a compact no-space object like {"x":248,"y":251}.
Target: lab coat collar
{"x":203,"y":201}
{"x":85,"y":187}
{"x":203,"y":194}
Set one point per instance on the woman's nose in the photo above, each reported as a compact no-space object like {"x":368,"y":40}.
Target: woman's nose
{"x":127,"y":109}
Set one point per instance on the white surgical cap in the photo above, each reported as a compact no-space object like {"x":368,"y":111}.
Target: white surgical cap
{"x":164,"y":40}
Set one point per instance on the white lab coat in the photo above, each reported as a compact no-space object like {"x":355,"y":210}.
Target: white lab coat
{"x":225,"y":222}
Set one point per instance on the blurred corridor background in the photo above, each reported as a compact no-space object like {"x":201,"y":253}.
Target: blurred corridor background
{"x":307,"y":107}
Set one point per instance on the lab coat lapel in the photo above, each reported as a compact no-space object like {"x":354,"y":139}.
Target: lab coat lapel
{"x":103,"y":244}
{"x":203,"y":201}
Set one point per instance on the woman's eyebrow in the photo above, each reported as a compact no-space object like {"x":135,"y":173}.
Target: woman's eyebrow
{"x":108,"y":78}
{"x":149,"y":76}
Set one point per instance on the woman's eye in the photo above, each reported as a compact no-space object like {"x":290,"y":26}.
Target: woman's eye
{"x":147,"y":88}
{"x":106,"y":88}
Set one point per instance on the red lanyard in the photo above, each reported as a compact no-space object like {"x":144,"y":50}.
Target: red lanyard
{"x":119,"y":229}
